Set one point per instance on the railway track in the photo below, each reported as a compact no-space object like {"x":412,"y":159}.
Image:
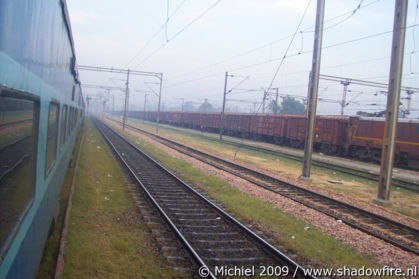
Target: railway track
{"x":398,"y":234}
{"x":396,"y":182}
{"x":357,"y":172}
{"x":213,"y":238}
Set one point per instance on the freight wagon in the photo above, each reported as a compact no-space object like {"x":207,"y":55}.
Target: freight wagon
{"x":357,"y":137}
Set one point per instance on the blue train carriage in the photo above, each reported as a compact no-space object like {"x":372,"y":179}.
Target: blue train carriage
{"x":41,"y":108}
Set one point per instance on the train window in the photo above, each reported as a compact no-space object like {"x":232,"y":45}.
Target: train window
{"x":19,"y":114}
{"x":63,"y":126}
{"x":52,"y":134}
{"x":417,"y":130}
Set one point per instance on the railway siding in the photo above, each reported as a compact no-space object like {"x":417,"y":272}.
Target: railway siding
{"x":352,"y":190}
{"x":106,"y":236}
{"x":398,"y":234}
{"x":285,"y":230}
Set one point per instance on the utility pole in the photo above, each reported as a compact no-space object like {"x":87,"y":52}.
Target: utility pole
{"x":145,"y":104}
{"x":183,"y":103}
{"x":276,"y":101}
{"x":313,"y":90}
{"x":158,"y":111}
{"x":345,"y":90}
{"x":224,"y":106}
{"x":126,"y":101}
{"x":393,"y":102}
{"x":265,"y":93}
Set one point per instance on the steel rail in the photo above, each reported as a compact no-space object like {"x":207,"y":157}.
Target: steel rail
{"x":242,"y":227}
{"x":397,"y":182}
{"x":298,"y":199}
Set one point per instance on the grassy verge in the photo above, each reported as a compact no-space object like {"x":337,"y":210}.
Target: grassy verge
{"x":403,"y":201}
{"x":106,"y":238}
{"x":310,"y":245}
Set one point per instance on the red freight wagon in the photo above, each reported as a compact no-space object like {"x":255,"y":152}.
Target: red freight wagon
{"x":261,"y":126}
{"x":175,"y":118}
{"x":237,"y":124}
{"x":359,"y":137}
{"x":330,"y":134}
{"x":367,"y":140}
{"x":296,"y":130}
{"x":212,"y":122}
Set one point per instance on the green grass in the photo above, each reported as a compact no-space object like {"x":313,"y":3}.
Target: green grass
{"x":99,"y":244}
{"x":311,"y":246}
{"x":106,"y":237}
{"x":403,"y":201}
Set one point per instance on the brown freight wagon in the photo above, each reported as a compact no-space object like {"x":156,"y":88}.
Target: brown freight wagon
{"x":367,"y":139}
{"x":237,"y":124}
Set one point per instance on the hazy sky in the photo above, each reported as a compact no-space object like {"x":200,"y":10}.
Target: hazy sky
{"x":246,"y":38}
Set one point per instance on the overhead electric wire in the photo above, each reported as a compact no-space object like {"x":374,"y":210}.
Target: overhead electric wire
{"x":292,"y":73}
{"x":167,"y":18}
{"x":289,"y":45}
{"x":270,"y":43}
{"x":285,"y":55}
{"x":325,"y":47}
{"x":164,"y":25}
{"x":238,"y":84}
{"x":178,"y":33}
{"x":351,"y":13}
{"x":287,"y":74}
{"x":192,"y":80}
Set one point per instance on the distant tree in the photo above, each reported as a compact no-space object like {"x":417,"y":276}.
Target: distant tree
{"x":372,"y":114}
{"x":206,"y":107}
{"x":291,"y":106}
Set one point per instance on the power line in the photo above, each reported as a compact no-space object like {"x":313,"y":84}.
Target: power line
{"x":193,"y":80}
{"x":326,"y":47}
{"x":164,"y":25}
{"x":287,"y":74}
{"x":350,"y":13}
{"x":306,"y":30}
{"x":286,"y":52}
{"x":178,"y":33}
{"x":289,"y":46}
{"x":293,"y":55}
